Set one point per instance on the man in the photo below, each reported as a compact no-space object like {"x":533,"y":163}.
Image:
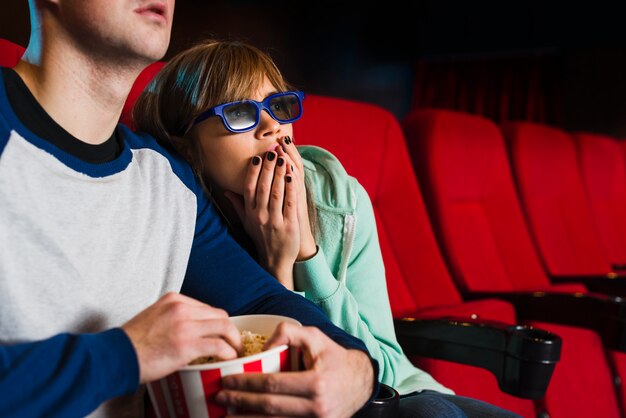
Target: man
{"x":101,"y":229}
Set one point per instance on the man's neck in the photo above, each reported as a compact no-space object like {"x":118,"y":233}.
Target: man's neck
{"x":82,"y":94}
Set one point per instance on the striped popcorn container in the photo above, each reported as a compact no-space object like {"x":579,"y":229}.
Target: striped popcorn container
{"x":189,"y":392}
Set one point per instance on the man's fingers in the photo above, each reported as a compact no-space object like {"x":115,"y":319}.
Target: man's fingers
{"x":287,"y":383}
{"x":311,"y":339}
{"x":222,"y":328}
{"x":213,"y":347}
{"x":265,"y":404}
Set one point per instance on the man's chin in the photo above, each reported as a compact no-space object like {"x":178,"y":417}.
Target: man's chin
{"x":154,"y":51}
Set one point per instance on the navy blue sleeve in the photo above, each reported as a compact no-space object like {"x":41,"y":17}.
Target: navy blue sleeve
{"x":222,"y":274}
{"x":66,"y":375}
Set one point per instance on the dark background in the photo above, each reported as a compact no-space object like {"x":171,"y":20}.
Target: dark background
{"x":369,"y":50}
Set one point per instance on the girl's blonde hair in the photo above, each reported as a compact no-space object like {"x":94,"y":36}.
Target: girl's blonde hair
{"x":206,"y":75}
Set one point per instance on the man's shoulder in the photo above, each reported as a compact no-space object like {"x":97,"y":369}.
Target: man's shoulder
{"x":137,"y":141}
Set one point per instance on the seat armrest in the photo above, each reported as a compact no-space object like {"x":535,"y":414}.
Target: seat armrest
{"x":521,"y":357}
{"x":606,"y":315}
{"x":610,"y":284}
{"x":386,"y":404}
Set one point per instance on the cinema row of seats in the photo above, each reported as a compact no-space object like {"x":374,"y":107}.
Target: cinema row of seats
{"x":476,"y":301}
{"x":510,"y":207}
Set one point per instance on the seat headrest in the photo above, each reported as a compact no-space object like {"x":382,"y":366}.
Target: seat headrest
{"x":10,"y":53}
{"x":140,"y":83}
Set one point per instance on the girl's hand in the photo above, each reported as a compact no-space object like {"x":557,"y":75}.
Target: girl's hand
{"x":269,"y":213}
{"x":308,"y":247}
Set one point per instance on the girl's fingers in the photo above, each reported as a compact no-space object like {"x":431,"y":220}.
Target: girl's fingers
{"x":288,"y":161}
{"x":250,"y":183}
{"x":290,"y":207}
{"x":277,"y":194}
{"x":264,"y":185}
{"x":290,"y":149}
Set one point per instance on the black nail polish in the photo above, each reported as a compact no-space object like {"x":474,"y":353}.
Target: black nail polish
{"x":287,"y":140}
{"x":292,"y":169}
{"x":283,"y":148}
{"x":271,"y":156}
{"x":280,"y":161}
{"x":256,"y":160}
{"x":288,"y":179}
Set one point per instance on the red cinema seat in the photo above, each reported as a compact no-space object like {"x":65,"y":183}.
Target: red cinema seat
{"x":462,"y":165}
{"x":10,"y":53}
{"x":545,"y":166}
{"x":603,"y":167}
{"x":140,"y":83}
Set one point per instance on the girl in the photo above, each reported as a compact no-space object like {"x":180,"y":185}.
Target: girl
{"x":225,"y":107}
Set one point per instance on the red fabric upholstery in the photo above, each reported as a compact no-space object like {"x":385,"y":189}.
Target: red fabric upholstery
{"x":470,"y":192}
{"x":382,"y":166}
{"x":545,"y":166}
{"x":369,"y":143}
{"x":462,"y":164}
{"x":10,"y":53}
{"x":142,"y":81}
{"x":603,"y":167}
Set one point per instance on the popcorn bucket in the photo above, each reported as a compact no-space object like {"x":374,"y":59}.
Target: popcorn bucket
{"x":190,"y":392}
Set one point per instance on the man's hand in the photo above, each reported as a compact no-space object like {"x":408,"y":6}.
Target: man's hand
{"x":336,"y":383}
{"x":177,"y":330}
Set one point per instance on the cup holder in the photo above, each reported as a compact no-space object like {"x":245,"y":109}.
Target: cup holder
{"x":385,"y":405}
{"x":531,"y":355}
{"x":533,"y":344}
{"x":528,"y":331}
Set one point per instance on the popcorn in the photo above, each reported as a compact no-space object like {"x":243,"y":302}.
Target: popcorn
{"x":252,"y":344}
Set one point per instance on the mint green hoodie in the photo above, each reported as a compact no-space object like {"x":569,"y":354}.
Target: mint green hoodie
{"x":346,"y":278}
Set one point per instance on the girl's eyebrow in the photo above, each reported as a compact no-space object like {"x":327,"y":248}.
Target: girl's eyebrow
{"x":270,"y":93}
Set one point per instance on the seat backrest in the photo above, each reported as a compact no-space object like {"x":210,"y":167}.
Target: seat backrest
{"x":545,"y":167}
{"x":462,"y":166}
{"x":140,"y":84}
{"x":10,"y":53}
{"x":603,"y":167}
{"x":369,"y":142}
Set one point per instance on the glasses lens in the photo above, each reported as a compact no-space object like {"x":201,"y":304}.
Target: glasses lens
{"x":240,"y":116}
{"x":285,"y":107}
